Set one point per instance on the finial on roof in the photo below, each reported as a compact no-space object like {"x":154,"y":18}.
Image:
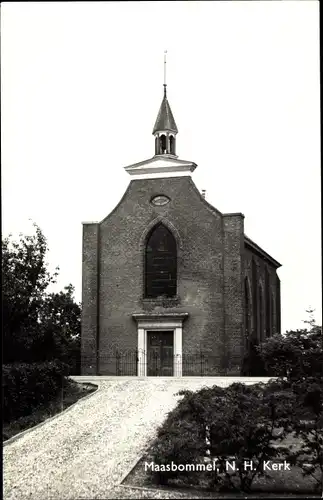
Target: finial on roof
{"x":165,"y":61}
{"x":165,"y":121}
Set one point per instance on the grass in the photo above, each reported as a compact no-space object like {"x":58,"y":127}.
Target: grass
{"x":71,"y":393}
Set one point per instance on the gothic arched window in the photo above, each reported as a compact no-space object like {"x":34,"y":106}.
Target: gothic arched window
{"x":247,"y":312}
{"x":261,"y":315}
{"x":278,"y":325}
{"x":273,"y":310}
{"x":267,"y":303}
{"x":255,"y":297}
{"x":160,"y":263}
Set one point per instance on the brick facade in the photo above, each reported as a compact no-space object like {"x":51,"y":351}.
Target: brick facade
{"x":214,"y":259}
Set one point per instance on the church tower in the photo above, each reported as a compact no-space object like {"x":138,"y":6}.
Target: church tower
{"x":165,"y":163}
{"x":165,"y":128}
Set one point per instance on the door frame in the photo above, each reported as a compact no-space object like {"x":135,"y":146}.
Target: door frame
{"x":170,"y":322}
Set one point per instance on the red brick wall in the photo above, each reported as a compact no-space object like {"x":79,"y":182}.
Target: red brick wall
{"x":233,"y":284}
{"x":198,"y":230}
{"x":210,"y":272}
{"x":89,"y":298}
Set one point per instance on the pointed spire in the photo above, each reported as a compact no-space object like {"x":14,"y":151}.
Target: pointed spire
{"x":165,"y":84}
{"x":165,"y":120}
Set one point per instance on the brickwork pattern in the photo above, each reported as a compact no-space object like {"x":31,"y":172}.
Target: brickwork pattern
{"x":197,"y":229}
{"x":89,"y":298}
{"x":233,"y":284}
{"x":211,"y":265}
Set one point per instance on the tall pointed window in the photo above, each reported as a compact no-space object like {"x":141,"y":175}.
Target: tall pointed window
{"x":160,"y":263}
{"x":273,"y":311}
{"x":278,"y":319}
{"x":247,"y":313}
{"x":261,"y":315}
{"x":255,"y":297}
{"x":267,"y":303}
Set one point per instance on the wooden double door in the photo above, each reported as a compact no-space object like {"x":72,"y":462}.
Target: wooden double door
{"x":160,"y":353}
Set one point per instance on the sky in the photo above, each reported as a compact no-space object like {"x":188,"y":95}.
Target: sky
{"x":81,"y":85}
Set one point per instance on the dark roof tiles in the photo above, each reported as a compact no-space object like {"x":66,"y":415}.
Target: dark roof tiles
{"x":165,"y":119}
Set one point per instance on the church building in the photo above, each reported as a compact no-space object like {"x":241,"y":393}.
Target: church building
{"x":171,"y":286}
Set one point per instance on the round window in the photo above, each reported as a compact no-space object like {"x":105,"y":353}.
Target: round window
{"x":160,"y":200}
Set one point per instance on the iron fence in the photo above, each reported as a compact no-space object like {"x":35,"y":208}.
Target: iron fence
{"x":135,"y":362}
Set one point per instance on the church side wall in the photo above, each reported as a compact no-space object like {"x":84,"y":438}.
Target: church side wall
{"x":89,"y":298}
{"x":264,"y":276}
{"x":199,"y":233}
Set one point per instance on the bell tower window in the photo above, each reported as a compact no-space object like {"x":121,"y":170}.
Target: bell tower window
{"x":172,"y":145}
{"x":162,"y":142}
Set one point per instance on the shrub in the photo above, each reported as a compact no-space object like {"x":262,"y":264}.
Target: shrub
{"x":253,"y":364}
{"x":295,"y":355}
{"x":26,"y":386}
{"x":237,"y":423}
{"x":309,"y":395}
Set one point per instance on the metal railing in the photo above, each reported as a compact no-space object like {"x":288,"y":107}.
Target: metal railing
{"x":134,"y":363}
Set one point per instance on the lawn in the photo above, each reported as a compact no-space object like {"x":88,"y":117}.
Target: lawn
{"x":70,"y":395}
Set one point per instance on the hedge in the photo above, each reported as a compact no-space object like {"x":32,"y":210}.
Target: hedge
{"x":29,"y":385}
{"x":236,"y":423}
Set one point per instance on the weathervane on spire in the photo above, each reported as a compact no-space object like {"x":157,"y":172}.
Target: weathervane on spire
{"x":165,"y":84}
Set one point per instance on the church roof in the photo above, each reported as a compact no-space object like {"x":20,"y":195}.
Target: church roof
{"x":256,"y":248}
{"x":165,"y":119}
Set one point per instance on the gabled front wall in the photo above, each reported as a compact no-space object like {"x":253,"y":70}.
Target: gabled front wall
{"x":198,"y":232}
{"x":209,"y":274}
{"x":209,"y":247}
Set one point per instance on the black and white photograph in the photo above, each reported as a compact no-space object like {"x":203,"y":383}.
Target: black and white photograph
{"x":161,"y":250}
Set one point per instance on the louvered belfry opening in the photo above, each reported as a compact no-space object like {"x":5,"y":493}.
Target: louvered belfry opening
{"x":163,"y":145}
{"x":172,"y":144}
{"x":160,"y":263}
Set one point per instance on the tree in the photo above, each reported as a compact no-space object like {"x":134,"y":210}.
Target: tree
{"x":296,"y":354}
{"x":37,"y":325}
{"x":60,"y":327}
{"x":315,"y":330}
{"x":25,"y":280}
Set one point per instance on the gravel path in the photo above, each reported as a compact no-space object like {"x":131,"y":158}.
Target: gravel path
{"x":85,"y":452}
